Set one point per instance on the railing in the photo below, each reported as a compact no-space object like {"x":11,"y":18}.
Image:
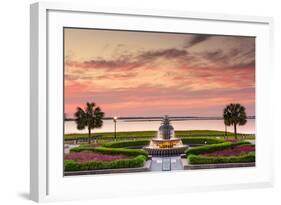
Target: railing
{"x":101,"y":138}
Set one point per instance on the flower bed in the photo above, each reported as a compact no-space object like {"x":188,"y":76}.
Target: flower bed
{"x":112,"y":151}
{"x":239,"y":152}
{"x":71,"y":165}
{"x":92,"y":156}
{"x":214,"y":147}
{"x":234,"y":151}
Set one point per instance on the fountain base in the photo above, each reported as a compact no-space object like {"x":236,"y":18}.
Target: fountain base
{"x":162,"y":147}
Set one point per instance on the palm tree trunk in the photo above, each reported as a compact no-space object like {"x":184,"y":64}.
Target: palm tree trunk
{"x":235,"y":131}
{"x":89,"y":137}
{"x":225,"y":132}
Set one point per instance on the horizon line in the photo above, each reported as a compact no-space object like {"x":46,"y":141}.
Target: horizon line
{"x":170,"y":117}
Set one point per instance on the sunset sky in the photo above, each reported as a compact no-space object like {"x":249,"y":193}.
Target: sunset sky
{"x":154,"y":74}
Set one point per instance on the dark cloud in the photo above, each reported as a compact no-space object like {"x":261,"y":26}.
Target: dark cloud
{"x":116,"y":76}
{"x":216,"y":56}
{"x":110,"y":63}
{"x":73,"y":77}
{"x":234,"y":58}
{"x":242,"y":55}
{"x":167,"y":53}
{"x":105,"y":64}
{"x":196,"y":39}
{"x":250,"y":64}
{"x":129,"y":62}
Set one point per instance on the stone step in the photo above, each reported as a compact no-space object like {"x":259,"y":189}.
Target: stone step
{"x":166,"y":164}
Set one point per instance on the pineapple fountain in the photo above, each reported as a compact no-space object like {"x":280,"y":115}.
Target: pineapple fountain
{"x":166,"y":144}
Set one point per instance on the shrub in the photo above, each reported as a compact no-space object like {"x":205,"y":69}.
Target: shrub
{"x":201,"y":140}
{"x":213,"y":147}
{"x":70,"y":165}
{"x":106,"y":150}
{"x":90,"y":145}
{"x":126,"y":143}
{"x":82,"y":148}
{"x":128,"y":152}
{"x":110,"y":135}
{"x":245,"y":158}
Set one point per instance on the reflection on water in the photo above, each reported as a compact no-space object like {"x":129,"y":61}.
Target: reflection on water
{"x":123,"y":125}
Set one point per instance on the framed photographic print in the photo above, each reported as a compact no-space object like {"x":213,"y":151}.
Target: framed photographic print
{"x":151,"y":101}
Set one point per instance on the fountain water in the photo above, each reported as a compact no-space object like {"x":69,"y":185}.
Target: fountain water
{"x":166,"y":144}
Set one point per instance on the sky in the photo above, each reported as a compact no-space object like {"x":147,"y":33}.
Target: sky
{"x":129,"y":73}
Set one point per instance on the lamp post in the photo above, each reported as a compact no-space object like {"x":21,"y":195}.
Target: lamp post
{"x":115,"y":120}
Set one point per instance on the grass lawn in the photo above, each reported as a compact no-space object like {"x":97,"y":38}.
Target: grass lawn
{"x":151,"y":134}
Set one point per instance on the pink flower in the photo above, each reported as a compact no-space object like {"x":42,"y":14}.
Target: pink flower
{"x":231,"y":151}
{"x":92,"y":156}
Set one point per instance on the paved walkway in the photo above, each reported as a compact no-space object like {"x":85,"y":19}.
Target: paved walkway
{"x":166,"y":164}
{"x":252,"y":141}
{"x":67,"y":147}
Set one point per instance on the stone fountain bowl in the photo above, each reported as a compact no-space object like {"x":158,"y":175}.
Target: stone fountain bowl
{"x":171,"y":151}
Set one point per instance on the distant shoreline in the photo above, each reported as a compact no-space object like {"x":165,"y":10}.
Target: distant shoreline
{"x":183,"y":118}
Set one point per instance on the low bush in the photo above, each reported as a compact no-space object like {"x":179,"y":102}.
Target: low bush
{"x":201,"y":140}
{"x":151,"y":134}
{"x":71,"y":165}
{"x":82,"y":148}
{"x":213,"y":147}
{"x":128,"y":152}
{"x":126,"y":143}
{"x":245,"y":158}
{"x":106,"y":150}
{"x":110,"y":135}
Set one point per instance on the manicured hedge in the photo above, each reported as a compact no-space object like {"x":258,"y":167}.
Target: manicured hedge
{"x":197,"y":159}
{"x":82,"y":148}
{"x":105,"y":150}
{"x":151,"y":134}
{"x":128,"y":152}
{"x":213,"y":148}
{"x":186,"y":140}
{"x":110,"y":135}
{"x":126,"y":143}
{"x":71,"y":165}
{"x":201,"y":140}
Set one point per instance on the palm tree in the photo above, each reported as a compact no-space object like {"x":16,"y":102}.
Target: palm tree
{"x":89,"y":118}
{"x":234,"y":114}
{"x":226,"y":123}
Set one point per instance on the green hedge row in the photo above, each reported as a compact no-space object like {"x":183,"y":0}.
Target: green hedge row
{"x":213,"y":147}
{"x":186,"y":140}
{"x":82,"y":148}
{"x":197,"y":159}
{"x":128,"y":152}
{"x":126,"y":143}
{"x":71,"y":165}
{"x":106,"y":150}
{"x":110,"y":136}
{"x":201,"y":140}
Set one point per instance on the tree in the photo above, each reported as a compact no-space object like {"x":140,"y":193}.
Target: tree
{"x":226,"y":123}
{"x":234,"y":114}
{"x":90,"y":118}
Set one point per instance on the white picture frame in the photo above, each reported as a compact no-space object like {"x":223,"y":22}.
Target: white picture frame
{"x":46,"y":168}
